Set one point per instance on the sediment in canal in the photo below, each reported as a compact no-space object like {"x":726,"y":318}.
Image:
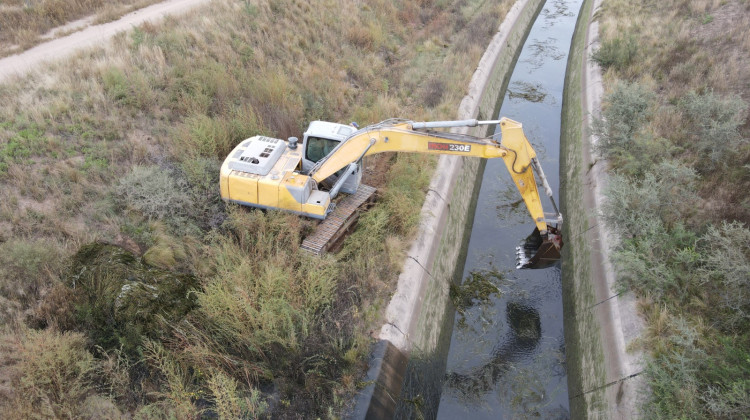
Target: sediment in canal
{"x":409,"y":357}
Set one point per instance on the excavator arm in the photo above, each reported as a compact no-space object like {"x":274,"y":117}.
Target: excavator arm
{"x":514,"y":149}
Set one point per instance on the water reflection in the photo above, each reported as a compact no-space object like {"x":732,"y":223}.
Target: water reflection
{"x":525,"y":389}
{"x":510,"y":208}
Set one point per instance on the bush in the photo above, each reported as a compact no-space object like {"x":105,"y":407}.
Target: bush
{"x":54,"y":375}
{"x":727,"y":265}
{"x":617,"y":53}
{"x":264,"y":294}
{"x":155,"y":193}
{"x":673,"y":377}
{"x":27,"y":268}
{"x":666,"y":194}
{"x":229,"y":401}
{"x":697,"y":375}
{"x":714,"y":127}
{"x":202,"y":175}
{"x":656,"y":254}
{"x":726,"y":376}
{"x":624,"y":114}
{"x":179,"y":390}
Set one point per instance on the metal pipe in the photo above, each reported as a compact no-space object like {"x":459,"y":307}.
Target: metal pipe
{"x":350,"y":169}
{"x":547,"y":188}
{"x":456,"y":123}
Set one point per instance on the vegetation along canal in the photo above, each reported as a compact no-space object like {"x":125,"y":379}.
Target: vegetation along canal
{"x":507,"y":350}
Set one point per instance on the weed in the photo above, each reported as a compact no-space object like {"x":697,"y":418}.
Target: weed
{"x":617,"y":53}
{"x":230,"y":403}
{"x":727,"y":265}
{"x":54,"y":375}
{"x":477,"y":289}
{"x":433,"y":92}
{"x":674,"y":248}
{"x":28,"y":268}
{"x":120,"y":301}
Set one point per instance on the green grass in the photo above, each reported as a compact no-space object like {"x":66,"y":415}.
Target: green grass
{"x":202,"y":305}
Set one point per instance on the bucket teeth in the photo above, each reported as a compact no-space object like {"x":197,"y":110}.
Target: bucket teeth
{"x":523,"y":256}
{"x":537,"y":251}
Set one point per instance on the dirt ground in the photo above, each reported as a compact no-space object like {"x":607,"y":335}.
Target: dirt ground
{"x":59,"y":48}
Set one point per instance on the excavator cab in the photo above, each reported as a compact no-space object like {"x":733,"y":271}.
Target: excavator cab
{"x":319,"y":140}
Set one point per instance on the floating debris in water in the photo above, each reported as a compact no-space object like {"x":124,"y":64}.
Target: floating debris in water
{"x":531,"y":92}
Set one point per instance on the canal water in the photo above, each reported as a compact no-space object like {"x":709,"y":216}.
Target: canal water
{"x":507,"y":352}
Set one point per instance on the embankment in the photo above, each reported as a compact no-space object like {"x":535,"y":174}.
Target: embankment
{"x":412,"y":345}
{"x":600,"y":323}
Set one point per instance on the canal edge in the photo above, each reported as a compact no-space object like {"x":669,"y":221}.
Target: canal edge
{"x":600,"y":322}
{"x":432,"y":260}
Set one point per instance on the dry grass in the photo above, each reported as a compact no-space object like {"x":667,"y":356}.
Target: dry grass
{"x":155,"y":112}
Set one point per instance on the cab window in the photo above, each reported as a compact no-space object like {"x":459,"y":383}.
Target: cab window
{"x":318,"y":148}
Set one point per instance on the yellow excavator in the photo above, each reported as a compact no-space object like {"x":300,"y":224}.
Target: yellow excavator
{"x":271,"y":173}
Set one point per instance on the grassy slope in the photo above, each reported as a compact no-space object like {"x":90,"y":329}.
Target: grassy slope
{"x":676,"y":134}
{"x":123,"y":144}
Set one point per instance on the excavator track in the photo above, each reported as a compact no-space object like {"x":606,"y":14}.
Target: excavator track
{"x":330,"y":230}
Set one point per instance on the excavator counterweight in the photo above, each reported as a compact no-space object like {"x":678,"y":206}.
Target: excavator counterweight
{"x":270,"y":173}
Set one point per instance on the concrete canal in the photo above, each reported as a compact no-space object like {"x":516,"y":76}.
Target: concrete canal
{"x":507,"y":349}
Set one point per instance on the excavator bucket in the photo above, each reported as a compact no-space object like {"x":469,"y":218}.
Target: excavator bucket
{"x":538,"y":251}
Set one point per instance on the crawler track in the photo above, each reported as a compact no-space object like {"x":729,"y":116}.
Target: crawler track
{"x":338,"y":222}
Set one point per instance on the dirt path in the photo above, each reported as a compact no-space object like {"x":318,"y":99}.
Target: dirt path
{"x":56,"y":49}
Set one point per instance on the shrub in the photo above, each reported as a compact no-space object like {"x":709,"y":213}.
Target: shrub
{"x":179,"y":385}
{"x":27,"y":268}
{"x":54,"y":375}
{"x":229,"y":401}
{"x":263,"y":295}
{"x":674,"y":377}
{"x":213,"y":137}
{"x":624,"y":115}
{"x":155,"y":193}
{"x":727,"y":265}
{"x":666,"y":194}
{"x":714,"y":127}
{"x":656,"y":254}
{"x":116,"y":85}
{"x":432,"y":93}
{"x":617,"y":53}
{"x":725,"y":375}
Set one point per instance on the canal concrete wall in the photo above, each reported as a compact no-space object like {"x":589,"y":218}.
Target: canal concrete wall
{"x":412,"y":344}
{"x":601,"y":324}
